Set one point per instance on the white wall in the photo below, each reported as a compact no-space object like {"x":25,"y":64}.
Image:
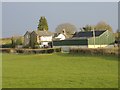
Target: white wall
{"x":46,"y":38}
{"x":67,"y":48}
{"x":61,"y":37}
{"x":96,"y":46}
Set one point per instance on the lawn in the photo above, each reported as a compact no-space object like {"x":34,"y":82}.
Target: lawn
{"x":59,"y":71}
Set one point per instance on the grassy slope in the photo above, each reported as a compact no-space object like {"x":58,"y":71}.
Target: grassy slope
{"x":5,"y":41}
{"x":8,"y":40}
{"x":59,"y":70}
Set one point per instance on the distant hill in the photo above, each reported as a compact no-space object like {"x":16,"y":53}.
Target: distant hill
{"x":4,"y":41}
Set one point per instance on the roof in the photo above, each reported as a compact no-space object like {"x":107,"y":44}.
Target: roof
{"x":88,"y":34}
{"x":44,"y":33}
{"x":28,"y":32}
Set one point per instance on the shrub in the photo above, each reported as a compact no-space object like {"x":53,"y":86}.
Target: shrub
{"x":7,"y":46}
{"x":16,"y":41}
{"x":50,"y":50}
{"x":57,"y":49}
{"x":98,"y":51}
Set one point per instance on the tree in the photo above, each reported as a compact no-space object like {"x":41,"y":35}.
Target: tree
{"x":19,"y":41}
{"x":67,"y":27}
{"x":16,"y":41}
{"x":87,"y":28}
{"x":103,"y":26}
{"x":43,"y":25}
{"x":13,"y":41}
{"x":117,"y":35}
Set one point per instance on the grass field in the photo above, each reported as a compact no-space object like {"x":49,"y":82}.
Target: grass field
{"x":59,"y":71}
{"x":5,"y":41}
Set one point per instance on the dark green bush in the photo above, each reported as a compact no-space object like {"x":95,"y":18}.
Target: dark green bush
{"x":98,"y":51}
{"x":7,"y":46}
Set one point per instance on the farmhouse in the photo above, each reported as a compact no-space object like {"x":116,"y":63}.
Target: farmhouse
{"x":61,"y":36}
{"x":90,"y":39}
{"x":27,"y":38}
{"x":39,"y":38}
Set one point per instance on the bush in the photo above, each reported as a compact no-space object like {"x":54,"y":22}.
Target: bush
{"x":57,"y":49}
{"x":16,"y":41}
{"x":19,"y":41}
{"x":36,"y":46}
{"x":50,"y":50}
{"x":104,"y":51}
{"x":7,"y":46}
{"x":27,"y":46}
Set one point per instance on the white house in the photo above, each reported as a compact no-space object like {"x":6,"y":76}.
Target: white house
{"x":61,"y":37}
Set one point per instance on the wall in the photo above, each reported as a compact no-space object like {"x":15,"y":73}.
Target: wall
{"x":96,"y":46}
{"x":46,"y":38}
{"x":106,"y":38}
{"x":67,"y":48}
{"x":33,"y":39}
{"x":27,"y":39}
{"x":71,"y":42}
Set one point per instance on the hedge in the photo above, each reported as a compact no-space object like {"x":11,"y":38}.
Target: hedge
{"x":98,"y":51}
{"x":30,"y":51}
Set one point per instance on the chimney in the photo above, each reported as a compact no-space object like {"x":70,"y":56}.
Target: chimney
{"x":64,"y":32}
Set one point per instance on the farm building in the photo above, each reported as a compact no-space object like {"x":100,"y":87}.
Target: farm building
{"x":39,"y":38}
{"x":63,"y":35}
{"x":27,"y":38}
{"x":90,"y":39}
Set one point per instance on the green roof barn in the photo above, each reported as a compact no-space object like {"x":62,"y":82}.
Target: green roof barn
{"x":91,"y":39}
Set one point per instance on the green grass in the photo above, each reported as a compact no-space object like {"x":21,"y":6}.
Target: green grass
{"x":59,"y":71}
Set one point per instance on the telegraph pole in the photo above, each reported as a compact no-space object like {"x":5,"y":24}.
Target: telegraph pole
{"x":94,"y":36}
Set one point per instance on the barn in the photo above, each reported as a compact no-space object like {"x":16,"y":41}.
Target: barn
{"x":89,"y":39}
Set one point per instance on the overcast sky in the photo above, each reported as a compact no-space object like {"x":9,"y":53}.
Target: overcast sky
{"x":19,"y":17}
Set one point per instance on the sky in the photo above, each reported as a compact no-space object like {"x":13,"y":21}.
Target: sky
{"x":19,"y":17}
{"x":0,"y":20}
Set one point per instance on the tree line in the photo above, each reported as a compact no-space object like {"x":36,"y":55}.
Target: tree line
{"x":70,"y":28}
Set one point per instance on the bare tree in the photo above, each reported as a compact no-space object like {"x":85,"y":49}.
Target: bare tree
{"x":103,"y":26}
{"x":68,"y":28}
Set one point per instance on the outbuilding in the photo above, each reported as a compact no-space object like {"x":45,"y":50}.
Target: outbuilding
{"x":89,"y":39}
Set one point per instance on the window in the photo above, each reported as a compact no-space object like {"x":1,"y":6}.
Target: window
{"x":27,"y":36}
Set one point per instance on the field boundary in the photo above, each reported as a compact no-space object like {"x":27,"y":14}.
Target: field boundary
{"x":29,"y":51}
{"x":99,"y":51}
{"x":91,"y":51}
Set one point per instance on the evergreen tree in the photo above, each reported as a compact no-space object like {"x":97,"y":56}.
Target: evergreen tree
{"x":43,"y":25}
